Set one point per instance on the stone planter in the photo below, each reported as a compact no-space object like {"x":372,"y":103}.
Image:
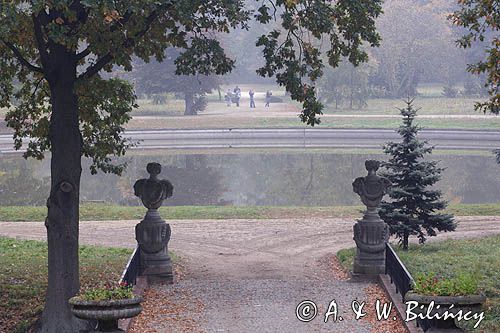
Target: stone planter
{"x":469,"y":305}
{"x":106,"y":313}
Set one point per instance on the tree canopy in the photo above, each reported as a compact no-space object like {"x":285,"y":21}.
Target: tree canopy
{"x":481,"y":19}
{"x":53,"y":55}
{"x":346,"y":85}
{"x":105,"y":34}
{"x":417,"y":46}
{"x":99,"y":36}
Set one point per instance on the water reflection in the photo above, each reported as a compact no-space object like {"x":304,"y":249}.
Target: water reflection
{"x":300,"y":179}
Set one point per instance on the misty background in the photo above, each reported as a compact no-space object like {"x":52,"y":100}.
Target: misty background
{"x":418,"y":49}
{"x":417,"y":57}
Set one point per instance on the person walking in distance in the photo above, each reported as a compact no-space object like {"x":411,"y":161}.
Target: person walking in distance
{"x":268,"y":97}
{"x":252,"y":101}
{"x":237,"y":93}
{"x":227,"y":97}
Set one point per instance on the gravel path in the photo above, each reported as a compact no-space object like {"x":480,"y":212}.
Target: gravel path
{"x":256,"y":306}
{"x":249,"y":275}
{"x":244,"y":248}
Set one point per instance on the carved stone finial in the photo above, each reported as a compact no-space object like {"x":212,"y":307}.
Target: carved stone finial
{"x":154,"y":169}
{"x":152,"y":233}
{"x":372,"y":165}
{"x":372,"y":187}
{"x":370,"y":233}
{"x":153,"y":191}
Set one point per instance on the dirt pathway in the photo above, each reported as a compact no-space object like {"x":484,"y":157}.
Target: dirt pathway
{"x":249,"y":275}
{"x":244,"y":248}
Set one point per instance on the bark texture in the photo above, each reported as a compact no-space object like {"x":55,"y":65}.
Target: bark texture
{"x":63,"y":211}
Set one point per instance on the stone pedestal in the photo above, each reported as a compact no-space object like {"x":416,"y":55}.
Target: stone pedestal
{"x":153,"y":233}
{"x":370,"y":233}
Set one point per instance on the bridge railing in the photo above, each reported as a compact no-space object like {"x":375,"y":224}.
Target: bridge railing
{"x":131,"y":271}
{"x":401,"y":278}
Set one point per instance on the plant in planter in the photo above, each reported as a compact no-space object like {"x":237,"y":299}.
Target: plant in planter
{"x":442,"y":300}
{"x":106,"y":304}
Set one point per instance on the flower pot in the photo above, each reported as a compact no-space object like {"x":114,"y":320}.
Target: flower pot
{"x":441,"y":311}
{"x":106,"y":312}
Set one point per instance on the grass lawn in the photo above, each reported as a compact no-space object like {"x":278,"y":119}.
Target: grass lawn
{"x":23,"y":277}
{"x":239,"y":121}
{"x":431,"y":101}
{"x":284,"y":115}
{"x":478,"y":257}
{"x":217,"y":115}
{"x":102,"y":211}
{"x":427,"y":105}
{"x":491,"y":123}
{"x":291,"y":151}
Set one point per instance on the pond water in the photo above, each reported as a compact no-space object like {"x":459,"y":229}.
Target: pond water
{"x":287,"y":179}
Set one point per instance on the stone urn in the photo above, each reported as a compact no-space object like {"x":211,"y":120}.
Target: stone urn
{"x":106,"y":312}
{"x":153,"y":233}
{"x":370,"y":233}
{"x":435,"y":307}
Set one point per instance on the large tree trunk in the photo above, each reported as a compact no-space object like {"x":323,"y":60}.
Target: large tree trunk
{"x":63,"y":212}
{"x":189,"y":100}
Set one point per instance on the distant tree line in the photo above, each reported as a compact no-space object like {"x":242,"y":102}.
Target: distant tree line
{"x":154,"y":79}
{"x":418,"y":46}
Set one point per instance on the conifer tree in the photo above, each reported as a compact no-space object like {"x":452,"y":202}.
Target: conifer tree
{"x":414,"y":206}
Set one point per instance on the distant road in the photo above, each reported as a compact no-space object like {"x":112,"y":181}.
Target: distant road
{"x":296,"y":138}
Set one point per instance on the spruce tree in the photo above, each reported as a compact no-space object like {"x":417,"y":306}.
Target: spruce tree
{"x":414,"y":205}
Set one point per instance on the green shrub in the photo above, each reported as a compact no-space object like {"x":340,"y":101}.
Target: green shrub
{"x":435,"y":285}
{"x":107,"y":292}
{"x":346,"y":258}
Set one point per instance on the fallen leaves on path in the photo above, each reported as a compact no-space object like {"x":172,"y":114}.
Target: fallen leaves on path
{"x":171,"y":308}
{"x":328,"y":267}
{"x":173,"y":316}
{"x":394,"y":323}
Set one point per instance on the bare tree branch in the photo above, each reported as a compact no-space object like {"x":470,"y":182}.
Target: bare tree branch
{"x":83,"y":54}
{"x":21,"y":59}
{"x":275,"y":9}
{"x":128,"y":43}
{"x":95,"y":68}
{"x":119,"y":24}
{"x":42,"y":45}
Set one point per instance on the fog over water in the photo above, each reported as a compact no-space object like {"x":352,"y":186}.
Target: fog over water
{"x":285,"y":179}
